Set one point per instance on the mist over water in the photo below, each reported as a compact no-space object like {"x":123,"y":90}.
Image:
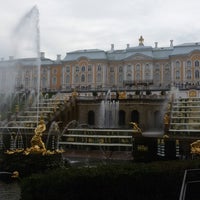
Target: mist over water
{"x":26,"y":35}
{"x":14,"y":77}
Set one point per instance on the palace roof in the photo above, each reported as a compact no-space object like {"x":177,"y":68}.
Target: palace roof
{"x":140,"y":51}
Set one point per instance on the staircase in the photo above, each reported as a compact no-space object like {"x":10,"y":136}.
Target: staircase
{"x":26,"y":120}
{"x":185,"y":116}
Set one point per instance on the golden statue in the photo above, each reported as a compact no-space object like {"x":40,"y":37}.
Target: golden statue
{"x":166,"y":122}
{"x":136,"y":127}
{"x":122,"y":95}
{"x":195,"y":147}
{"x":37,"y":145}
{"x":36,"y":140}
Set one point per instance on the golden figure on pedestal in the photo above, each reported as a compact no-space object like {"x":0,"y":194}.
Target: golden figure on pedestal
{"x":136,"y":127}
{"x":195,"y":147}
{"x":37,"y":145}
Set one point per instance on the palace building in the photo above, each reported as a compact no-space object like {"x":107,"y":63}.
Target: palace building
{"x":132,"y":68}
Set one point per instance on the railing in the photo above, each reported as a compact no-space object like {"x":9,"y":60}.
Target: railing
{"x":190,"y":185}
{"x":98,"y":137}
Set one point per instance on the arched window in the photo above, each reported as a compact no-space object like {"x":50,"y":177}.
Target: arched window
{"x":147,"y":72}
{"x":76,"y":79}
{"x":129,"y":77}
{"x":120,"y":78}
{"x":89,"y":77}
{"x":138,"y":67}
{"x":129,"y":68}
{"x":67,"y":79}
{"x":82,"y":78}
{"x":99,"y":68}
{"x":54,"y":71}
{"x":147,"y":67}
{"x":77,"y":68}
{"x":89,"y":68}
{"x":122,"y":117}
{"x":177,"y":74}
{"x":197,"y":74}
{"x":91,"y":117}
{"x":189,"y":63}
{"x":83,"y":68}
{"x":177,"y":64}
{"x":138,"y":76}
{"x":44,"y":82}
{"x":68,"y":69}
{"x":196,"y":63}
{"x":112,"y":79}
{"x":188,"y":74}
{"x":111,"y":69}
{"x":54,"y":80}
{"x":135,"y":116}
{"x":120,"y":69}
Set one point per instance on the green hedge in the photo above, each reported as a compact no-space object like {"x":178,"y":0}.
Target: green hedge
{"x":156,"y":181}
{"x":29,"y":164}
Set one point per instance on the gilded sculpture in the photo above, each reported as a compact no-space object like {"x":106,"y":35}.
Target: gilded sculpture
{"x":136,"y":127}
{"x":37,"y":145}
{"x":195,"y":147}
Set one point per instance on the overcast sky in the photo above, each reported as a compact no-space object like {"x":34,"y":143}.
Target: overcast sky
{"x":69,"y":25}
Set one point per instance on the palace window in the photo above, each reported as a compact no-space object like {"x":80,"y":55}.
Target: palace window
{"x":166,"y":75}
{"x":197,"y":74}
{"x":76,"y":79}
{"x":27,"y":73}
{"x":177,"y":74}
{"x":177,"y":64}
{"x":196,"y":63}
{"x":54,"y":71}
{"x":137,"y":76}
{"x":129,"y":77}
{"x":98,"y":77}
{"x":157,"y":68}
{"x":188,"y":74}
{"x":44,"y":72}
{"x":189,"y":63}
{"x":138,"y":67}
{"x":89,"y":68}
{"x":82,"y":78}
{"x":67,"y":79}
{"x":129,"y":68}
{"x":54,"y":80}
{"x":112,"y":79}
{"x":34,"y":82}
{"x":111,"y":69}
{"x":77,"y":68}
{"x":147,"y":72}
{"x":120,"y":78}
{"x":83,"y":68}
{"x":89,"y":77}
{"x":147,"y":67}
{"x":44,"y":82}
{"x":27,"y":82}
{"x":99,"y":68}
{"x":120,"y":69}
{"x":68,"y":69}
{"x":147,"y":75}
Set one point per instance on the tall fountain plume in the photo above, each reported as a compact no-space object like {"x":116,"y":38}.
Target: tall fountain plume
{"x":26,"y":51}
{"x":108,"y":117}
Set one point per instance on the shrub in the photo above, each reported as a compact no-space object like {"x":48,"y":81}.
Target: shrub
{"x":157,"y":180}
